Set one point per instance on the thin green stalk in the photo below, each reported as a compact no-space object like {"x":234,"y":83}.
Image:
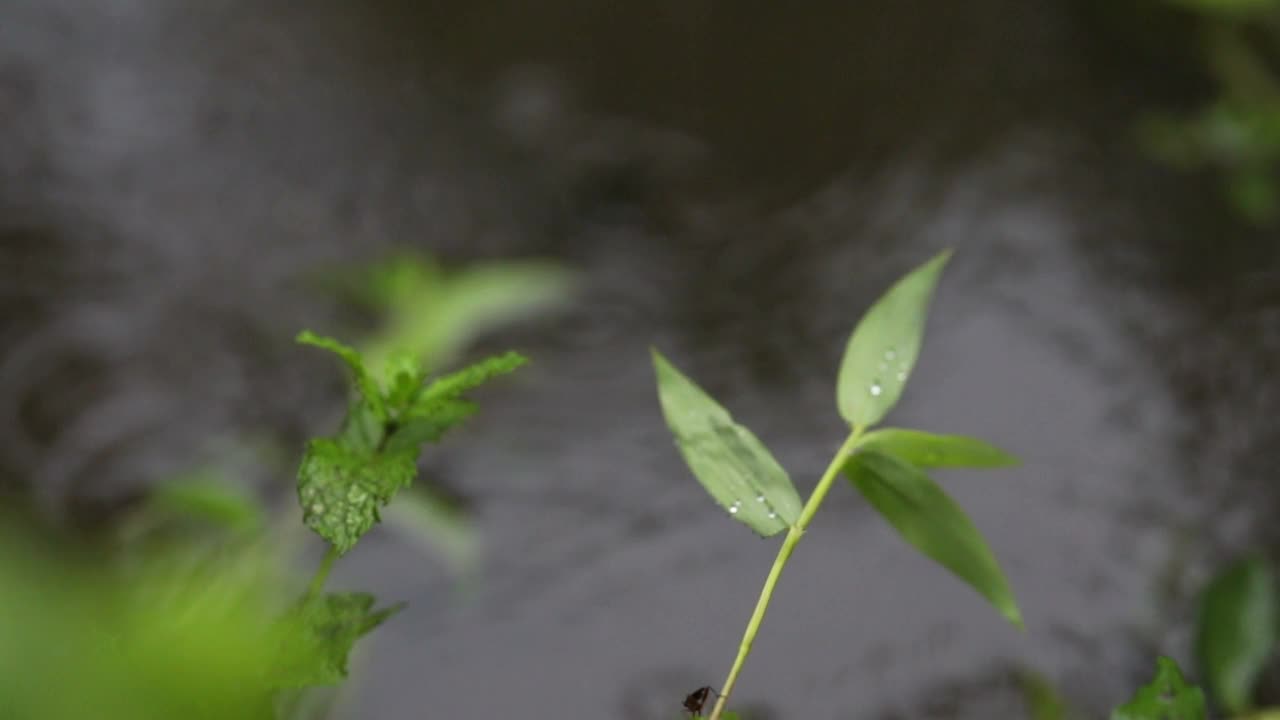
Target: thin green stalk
{"x":784,"y":554}
{"x":322,"y":573}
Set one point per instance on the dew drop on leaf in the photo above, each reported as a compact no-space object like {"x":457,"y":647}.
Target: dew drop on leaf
{"x":875,"y":389}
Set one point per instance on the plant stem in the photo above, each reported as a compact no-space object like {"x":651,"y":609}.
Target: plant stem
{"x":322,"y":573}
{"x":784,"y":554}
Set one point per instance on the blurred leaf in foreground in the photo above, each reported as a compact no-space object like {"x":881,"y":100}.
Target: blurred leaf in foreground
{"x":1236,"y":631}
{"x":1167,"y":697}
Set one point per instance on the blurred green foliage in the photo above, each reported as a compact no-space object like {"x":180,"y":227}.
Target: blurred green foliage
{"x":1237,"y":132}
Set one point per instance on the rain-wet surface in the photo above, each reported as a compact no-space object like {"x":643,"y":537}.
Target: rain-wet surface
{"x":734,"y":184}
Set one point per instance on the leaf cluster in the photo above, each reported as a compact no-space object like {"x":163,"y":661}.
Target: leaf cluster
{"x":344,"y":480}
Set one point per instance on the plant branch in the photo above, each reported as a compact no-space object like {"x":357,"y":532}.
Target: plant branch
{"x":322,"y":573}
{"x":784,"y":554}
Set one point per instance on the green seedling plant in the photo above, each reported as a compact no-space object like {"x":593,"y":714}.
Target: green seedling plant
{"x":345,"y":481}
{"x":431,"y":315}
{"x":887,"y":465}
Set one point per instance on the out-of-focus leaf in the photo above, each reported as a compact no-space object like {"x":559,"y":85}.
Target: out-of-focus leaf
{"x":320,"y":634}
{"x":929,"y":519}
{"x":1236,"y":631}
{"x":434,"y":314}
{"x":1042,"y":698}
{"x":437,"y":526}
{"x":727,"y":459}
{"x":927,"y":450}
{"x":85,"y":638}
{"x":203,"y":497}
{"x":882,"y":349}
{"x":1167,"y":697}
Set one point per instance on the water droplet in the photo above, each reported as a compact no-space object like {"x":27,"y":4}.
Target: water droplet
{"x":317,"y":508}
{"x":902,"y":376}
{"x":759,"y":498}
{"x":733,"y":509}
{"x":772,"y":515}
{"x":875,"y":389}
{"x":890,"y":354}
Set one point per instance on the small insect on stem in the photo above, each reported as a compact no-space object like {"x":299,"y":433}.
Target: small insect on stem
{"x":694,"y":701}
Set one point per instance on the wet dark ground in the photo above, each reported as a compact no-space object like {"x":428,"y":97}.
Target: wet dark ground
{"x":734,"y":183}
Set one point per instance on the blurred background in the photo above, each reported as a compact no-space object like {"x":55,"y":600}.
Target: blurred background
{"x":733,"y":183}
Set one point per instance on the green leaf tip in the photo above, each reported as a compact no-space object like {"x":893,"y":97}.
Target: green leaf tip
{"x":930,"y":450}
{"x":883,"y":348}
{"x":1167,"y":697}
{"x":727,"y":459}
{"x":1236,"y":631}
{"x":926,"y":517}
{"x":368,"y":387}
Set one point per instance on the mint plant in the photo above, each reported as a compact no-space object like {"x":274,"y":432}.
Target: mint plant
{"x":346,"y":479}
{"x":887,"y":466}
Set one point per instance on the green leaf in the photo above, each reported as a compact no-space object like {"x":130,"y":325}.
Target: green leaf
{"x":429,"y":423}
{"x":929,"y":519}
{"x":883,"y":348}
{"x":927,"y":450}
{"x":1236,"y":631}
{"x":365,"y":383}
{"x":434,"y":314}
{"x":440,"y":406}
{"x":320,"y":634}
{"x":471,"y":377}
{"x":726,"y":458}
{"x":1167,"y":697}
{"x":340,"y":490}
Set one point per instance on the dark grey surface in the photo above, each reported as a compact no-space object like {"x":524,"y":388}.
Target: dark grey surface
{"x":735,"y":184}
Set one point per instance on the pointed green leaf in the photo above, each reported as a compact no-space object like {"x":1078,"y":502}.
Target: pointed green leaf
{"x":883,"y":348}
{"x":1236,"y":631}
{"x":927,"y":450}
{"x":726,"y":458}
{"x":320,"y":634}
{"x":1167,"y":697}
{"x":471,"y":377}
{"x":365,"y":383}
{"x":928,"y":518}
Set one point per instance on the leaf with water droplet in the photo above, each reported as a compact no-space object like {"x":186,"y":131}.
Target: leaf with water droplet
{"x":1167,"y":697}
{"x":890,"y":333}
{"x":1236,"y":631}
{"x":929,"y":519}
{"x":729,"y":461}
{"x":930,"y":450}
{"x":340,"y":488}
